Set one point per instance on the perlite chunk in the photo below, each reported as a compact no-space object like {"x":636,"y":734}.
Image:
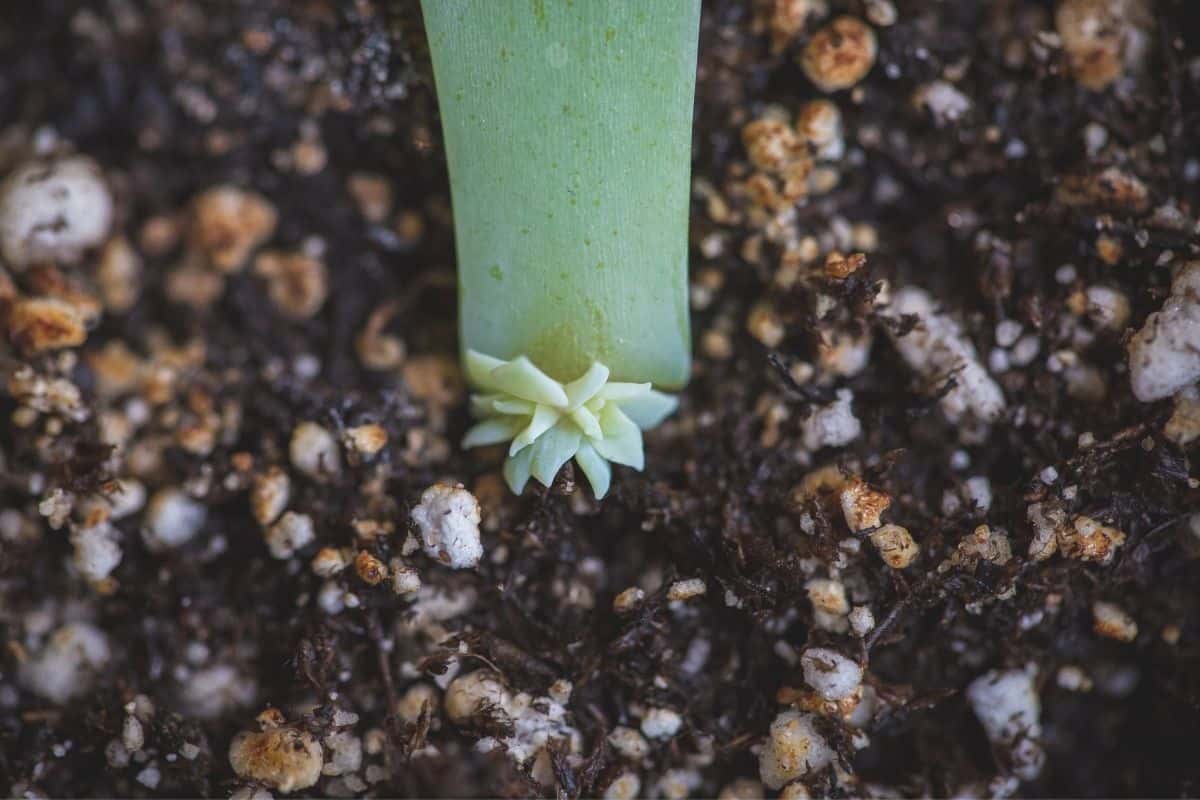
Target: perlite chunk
{"x":1164,"y":356}
{"x":833,"y":425}
{"x":1008,"y":707}
{"x":53,"y":210}
{"x":793,"y":749}
{"x":64,"y":666}
{"x":284,"y":758}
{"x":448,"y":520}
{"x":937,"y":350}
{"x":834,"y":676}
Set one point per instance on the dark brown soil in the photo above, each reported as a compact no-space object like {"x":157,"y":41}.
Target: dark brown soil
{"x":172,"y":97}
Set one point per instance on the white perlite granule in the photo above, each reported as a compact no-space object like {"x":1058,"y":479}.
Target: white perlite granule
{"x":1007,"y":705}
{"x":661,"y":723}
{"x":291,"y":533}
{"x":97,"y":551}
{"x":937,"y":349}
{"x":833,"y":425}
{"x":53,"y":210}
{"x":65,"y":665}
{"x":834,"y":676}
{"x":448,"y":519}
{"x":945,"y":102}
{"x":172,"y":519}
{"x":793,"y":749}
{"x":216,"y":690}
{"x":1164,"y":356}
{"x":314,"y":451}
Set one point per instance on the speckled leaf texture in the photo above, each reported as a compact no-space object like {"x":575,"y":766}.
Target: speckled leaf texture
{"x":568,"y":136}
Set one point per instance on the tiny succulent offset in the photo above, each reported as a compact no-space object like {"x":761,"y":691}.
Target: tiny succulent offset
{"x":596,"y":421}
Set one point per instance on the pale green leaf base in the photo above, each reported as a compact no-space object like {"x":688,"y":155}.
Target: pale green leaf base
{"x":590,"y":419}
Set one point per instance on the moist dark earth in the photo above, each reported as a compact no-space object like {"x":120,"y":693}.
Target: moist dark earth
{"x":1010,"y":210}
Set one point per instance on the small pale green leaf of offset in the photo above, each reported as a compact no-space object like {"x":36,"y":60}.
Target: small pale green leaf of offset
{"x":479,"y":368}
{"x":517,"y":470}
{"x":581,"y":390}
{"x":649,"y":410}
{"x":622,"y":442}
{"x":553,"y":450}
{"x":523,"y":407}
{"x":522,"y":379}
{"x":492,"y":431}
{"x":484,"y":404}
{"x":587,"y":422}
{"x":542,"y":420}
{"x":622,"y":391}
{"x":597,"y":470}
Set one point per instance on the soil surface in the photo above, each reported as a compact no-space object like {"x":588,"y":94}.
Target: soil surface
{"x":1045,"y":217}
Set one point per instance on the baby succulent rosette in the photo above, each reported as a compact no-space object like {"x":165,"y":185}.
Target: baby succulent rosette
{"x":590,"y":419}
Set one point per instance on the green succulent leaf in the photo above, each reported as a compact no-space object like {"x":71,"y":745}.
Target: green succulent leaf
{"x":597,"y":470}
{"x":649,"y":410}
{"x":543,"y":419}
{"x":568,"y":131}
{"x":492,"y":431}
{"x":622,"y":440}
{"x":553,"y":450}
{"x":517,"y":469}
{"x":582,"y":389}
{"x":523,"y":380}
